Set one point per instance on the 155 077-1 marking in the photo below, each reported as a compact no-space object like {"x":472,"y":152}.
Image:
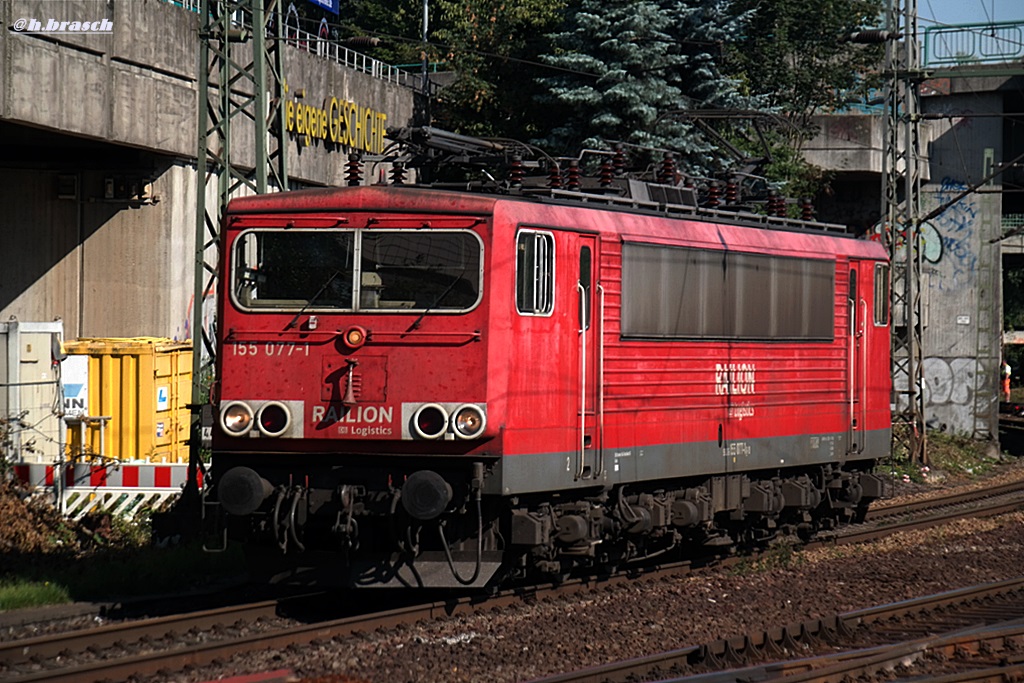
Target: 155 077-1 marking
{"x":270,"y":349}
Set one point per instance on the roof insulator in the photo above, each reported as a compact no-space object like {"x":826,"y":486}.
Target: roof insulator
{"x":572,"y":175}
{"x":354,"y":170}
{"x":554,"y":176}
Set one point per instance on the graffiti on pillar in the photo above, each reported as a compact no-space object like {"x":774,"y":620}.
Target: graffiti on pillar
{"x":931,"y":240}
{"x":956,"y":227}
{"x":958,"y":392}
{"x":949,"y":381}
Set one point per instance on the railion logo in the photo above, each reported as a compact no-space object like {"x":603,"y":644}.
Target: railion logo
{"x":735,"y":379}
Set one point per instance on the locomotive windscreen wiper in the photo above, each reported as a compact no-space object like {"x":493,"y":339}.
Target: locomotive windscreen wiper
{"x":313,"y":299}
{"x":437,"y":302}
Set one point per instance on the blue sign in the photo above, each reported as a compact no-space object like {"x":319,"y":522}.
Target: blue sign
{"x":333,"y":6}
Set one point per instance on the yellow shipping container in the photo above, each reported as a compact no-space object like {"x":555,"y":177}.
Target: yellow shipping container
{"x":143,"y":385}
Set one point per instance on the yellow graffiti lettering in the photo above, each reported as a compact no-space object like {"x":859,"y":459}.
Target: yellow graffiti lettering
{"x":342,"y":122}
{"x":333,"y":120}
{"x":364,"y":135}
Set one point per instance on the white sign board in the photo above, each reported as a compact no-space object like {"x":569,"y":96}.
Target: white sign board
{"x":74,"y":376}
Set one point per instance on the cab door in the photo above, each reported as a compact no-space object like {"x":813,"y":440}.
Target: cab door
{"x":582,"y":294}
{"x":857,"y":354}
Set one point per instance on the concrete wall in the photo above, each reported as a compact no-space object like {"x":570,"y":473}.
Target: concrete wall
{"x":962,"y":340}
{"x":319,"y":160}
{"x":963,"y":312}
{"x":134,"y":86}
{"x":105,"y":268}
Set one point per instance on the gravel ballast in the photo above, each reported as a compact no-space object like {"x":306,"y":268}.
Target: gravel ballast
{"x":574,"y":632}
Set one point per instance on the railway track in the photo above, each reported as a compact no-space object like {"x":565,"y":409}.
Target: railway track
{"x":174,"y":643}
{"x":884,"y":519}
{"x":979,"y":638}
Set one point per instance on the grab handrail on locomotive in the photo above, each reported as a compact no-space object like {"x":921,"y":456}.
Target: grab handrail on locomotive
{"x":461,"y":382}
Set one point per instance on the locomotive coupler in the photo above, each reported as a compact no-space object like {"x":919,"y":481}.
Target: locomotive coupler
{"x":288,"y":517}
{"x":345,"y":525}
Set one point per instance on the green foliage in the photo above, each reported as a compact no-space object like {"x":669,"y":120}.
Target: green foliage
{"x":398,"y":24}
{"x":631,"y":70}
{"x":798,"y":64}
{"x":782,"y":554}
{"x":956,"y":456}
{"x":1013,"y":298}
{"x":146,"y":570}
{"x":791,"y":173}
{"x":118,"y":572}
{"x":492,"y":46}
{"x":47,"y":558}
{"x":959,"y":455}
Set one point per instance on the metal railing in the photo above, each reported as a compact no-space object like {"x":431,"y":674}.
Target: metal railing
{"x":959,"y":44}
{"x":1012,"y":221}
{"x":329,"y":49}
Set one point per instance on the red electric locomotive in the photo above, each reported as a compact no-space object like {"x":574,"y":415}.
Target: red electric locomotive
{"x":427,"y":387}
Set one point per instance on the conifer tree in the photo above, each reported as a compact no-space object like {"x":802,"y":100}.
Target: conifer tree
{"x":625,"y":65}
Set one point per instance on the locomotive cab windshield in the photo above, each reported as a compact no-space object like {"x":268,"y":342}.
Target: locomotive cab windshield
{"x":357,"y":270}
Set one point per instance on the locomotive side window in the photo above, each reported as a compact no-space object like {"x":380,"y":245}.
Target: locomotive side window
{"x":535,"y":270}
{"x":362,"y":270}
{"x":881,"y":294}
{"x":682,"y":293}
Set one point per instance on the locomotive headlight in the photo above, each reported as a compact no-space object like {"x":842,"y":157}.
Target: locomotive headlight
{"x":236,"y":418}
{"x":274,"y":418}
{"x":430,"y":421}
{"x":469,"y":421}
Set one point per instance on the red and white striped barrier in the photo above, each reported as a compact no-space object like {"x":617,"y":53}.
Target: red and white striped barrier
{"x":112,"y":475}
{"x":114,"y":488}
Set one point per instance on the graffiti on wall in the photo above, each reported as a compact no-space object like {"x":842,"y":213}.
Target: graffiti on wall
{"x":956,"y":396}
{"x":931,"y":240}
{"x":950,"y":381}
{"x":956,"y":227}
{"x":949,"y":235}
{"x":958,"y":392}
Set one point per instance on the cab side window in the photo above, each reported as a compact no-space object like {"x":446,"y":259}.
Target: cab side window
{"x":535,"y":269}
{"x":881,"y":294}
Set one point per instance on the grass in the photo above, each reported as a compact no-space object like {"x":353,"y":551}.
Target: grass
{"x":950,"y":456}
{"x":782,"y":554}
{"x":16,"y":593}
